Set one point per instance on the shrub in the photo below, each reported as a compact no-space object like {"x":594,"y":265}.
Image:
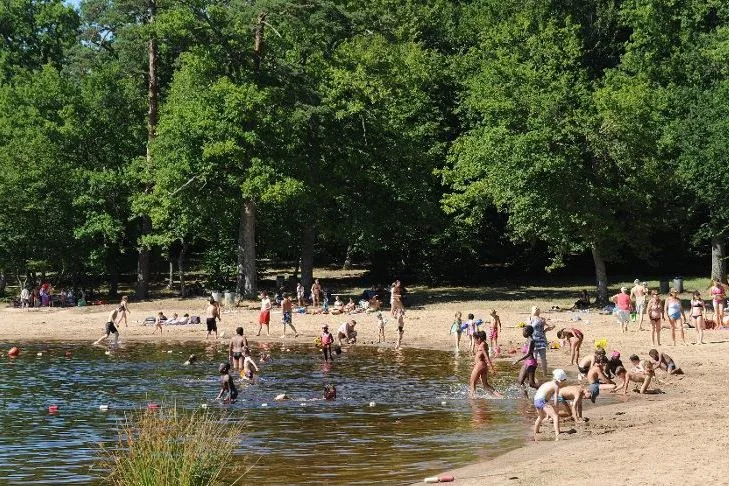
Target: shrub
{"x":171,"y":447}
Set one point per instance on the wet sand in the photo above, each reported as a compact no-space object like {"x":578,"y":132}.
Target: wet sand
{"x":672,"y":438}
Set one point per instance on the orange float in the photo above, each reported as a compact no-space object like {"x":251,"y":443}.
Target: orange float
{"x":14,"y":352}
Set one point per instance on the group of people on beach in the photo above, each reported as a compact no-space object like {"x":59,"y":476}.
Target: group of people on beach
{"x":641,"y":301}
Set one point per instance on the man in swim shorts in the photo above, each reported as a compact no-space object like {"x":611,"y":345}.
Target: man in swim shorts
{"x":212,"y":315}
{"x":110,"y":328}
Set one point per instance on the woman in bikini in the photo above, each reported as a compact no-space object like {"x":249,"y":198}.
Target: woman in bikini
{"x":697,"y":316}
{"x":575,"y":337}
{"x":481,"y":365}
{"x":676,"y":316}
{"x":656,"y":315}
{"x":529,"y":368}
{"x":718,"y":295}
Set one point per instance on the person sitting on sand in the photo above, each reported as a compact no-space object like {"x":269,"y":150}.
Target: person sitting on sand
{"x":481,"y":364}
{"x":583,"y":302}
{"x":664,"y":362}
{"x":574,"y":337}
{"x":642,"y":372}
{"x":375,"y":304}
{"x":227,"y":384}
{"x":337,"y":306}
{"x":350,"y":306}
{"x":614,"y":367}
{"x":574,"y":394}
{"x":544,"y":394}
{"x":529,"y":368}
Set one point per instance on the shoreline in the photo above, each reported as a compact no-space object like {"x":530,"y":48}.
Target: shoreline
{"x":678,"y":432}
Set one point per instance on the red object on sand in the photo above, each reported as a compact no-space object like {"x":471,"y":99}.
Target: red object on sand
{"x":446,"y":479}
{"x":52,"y":408}
{"x":14,"y":351}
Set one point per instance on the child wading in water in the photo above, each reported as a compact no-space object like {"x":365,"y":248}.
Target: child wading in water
{"x":326,"y":343}
{"x":400,"y":327}
{"x":227,"y":385}
{"x":494,"y":330}
{"x":457,"y":330}
{"x":481,"y":365}
{"x":541,"y":401}
{"x":529,"y":368}
{"x":249,"y":367}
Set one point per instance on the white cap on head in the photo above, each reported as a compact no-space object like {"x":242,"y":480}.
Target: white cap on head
{"x":636,"y":281}
{"x":559,"y":375}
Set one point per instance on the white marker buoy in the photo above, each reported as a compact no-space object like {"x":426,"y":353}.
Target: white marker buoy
{"x":264,"y":404}
{"x":372,"y":404}
{"x":39,"y":354}
{"x":204,"y":405}
{"x":103,"y":408}
{"x":444,"y":403}
{"x":107,"y":353}
{"x":169,"y":352}
{"x":431,"y":480}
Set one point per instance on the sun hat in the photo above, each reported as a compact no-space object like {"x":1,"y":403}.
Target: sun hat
{"x":594,"y":390}
{"x":559,"y":375}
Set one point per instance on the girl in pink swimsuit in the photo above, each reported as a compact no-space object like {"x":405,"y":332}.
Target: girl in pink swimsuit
{"x":718,"y":295}
{"x":529,"y":367}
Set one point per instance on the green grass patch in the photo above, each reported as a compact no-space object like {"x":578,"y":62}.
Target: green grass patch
{"x":173,"y":447}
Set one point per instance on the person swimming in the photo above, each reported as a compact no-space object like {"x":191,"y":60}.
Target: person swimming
{"x":330,"y":392}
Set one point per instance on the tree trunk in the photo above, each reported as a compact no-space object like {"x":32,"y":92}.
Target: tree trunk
{"x":152,"y":112}
{"x":601,"y":276}
{"x":181,"y":267}
{"x":348,"y":258}
{"x":246,"y":281}
{"x":171,"y":275}
{"x":718,"y":259}
{"x":307,"y":256}
{"x":3,"y":282}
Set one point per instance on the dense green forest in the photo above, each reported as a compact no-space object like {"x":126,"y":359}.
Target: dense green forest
{"x":421,"y":137}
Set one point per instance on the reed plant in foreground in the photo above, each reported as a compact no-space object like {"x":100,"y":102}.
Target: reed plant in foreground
{"x":171,"y":447}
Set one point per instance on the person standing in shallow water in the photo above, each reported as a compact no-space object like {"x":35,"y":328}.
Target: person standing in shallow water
{"x":481,"y":364}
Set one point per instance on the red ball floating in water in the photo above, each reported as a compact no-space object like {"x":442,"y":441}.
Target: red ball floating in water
{"x":153,"y":406}
{"x":14,"y":352}
{"x":53,"y":409}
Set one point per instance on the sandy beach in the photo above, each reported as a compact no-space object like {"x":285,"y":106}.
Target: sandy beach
{"x":671,"y":438}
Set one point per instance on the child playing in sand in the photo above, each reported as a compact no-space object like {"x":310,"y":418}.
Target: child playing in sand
{"x":227,"y":385}
{"x":529,"y":368}
{"x":400,"y":327}
{"x":326,"y":343}
{"x":249,"y":366}
{"x":664,"y":362}
{"x":287,"y":307}
{"x":381,"y":326}
{"x":642,"y":372}
{"x":457,"y":330}
{"x":575,"y":394}
{"x":596,"y":374}
{"x":545,"y":392}
{"x":614,"y":367}
{"x":574,"y":337}
{"x":494,"y":329}
{"x":111,"y":329}
{"x":235,"y":350}
{"x":583,"y":367}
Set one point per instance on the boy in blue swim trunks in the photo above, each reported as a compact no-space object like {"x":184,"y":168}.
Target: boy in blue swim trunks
{"x":546,"y":392}
{"x":287,"y":307}
{"x":575,"y":394}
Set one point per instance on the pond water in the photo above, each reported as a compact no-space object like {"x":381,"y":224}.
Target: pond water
{"x":408,"y":434}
